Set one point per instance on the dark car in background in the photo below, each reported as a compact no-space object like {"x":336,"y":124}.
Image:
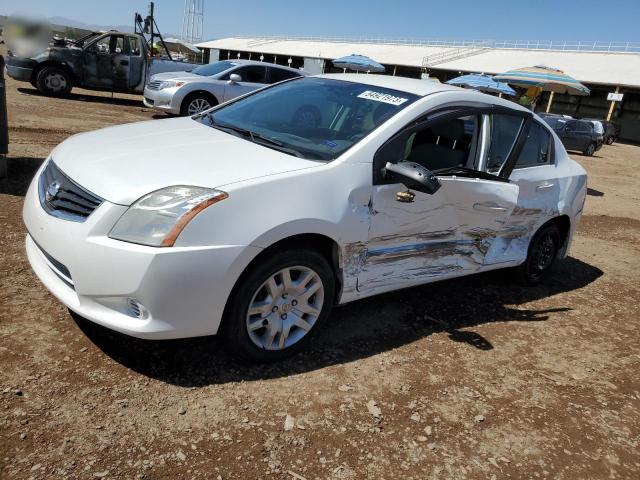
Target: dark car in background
{"x":611,"y":130}
{"x":575,"y":134}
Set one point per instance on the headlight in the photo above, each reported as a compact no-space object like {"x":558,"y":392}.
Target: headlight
{"x":158,"y":218}
{"x":170,"y":84}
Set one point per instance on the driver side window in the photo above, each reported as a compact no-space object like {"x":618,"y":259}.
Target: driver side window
{"x":445,"y":144}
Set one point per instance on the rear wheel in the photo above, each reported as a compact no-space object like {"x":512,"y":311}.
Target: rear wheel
{"x":197,"y":103}
{"x":278,"y":305}
{"x":541,"y":256}
{"x":590,"y":150}
{"x":54,"y":81}
{"x":610,"y":140}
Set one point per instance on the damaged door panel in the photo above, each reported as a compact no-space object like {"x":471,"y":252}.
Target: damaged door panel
{"x":437,"y":236}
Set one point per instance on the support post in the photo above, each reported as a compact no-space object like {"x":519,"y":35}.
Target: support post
{"x":549,"y":102}
{"x":395,"y":67}
{"x":612,"y":106}
{"x":4,"y":124}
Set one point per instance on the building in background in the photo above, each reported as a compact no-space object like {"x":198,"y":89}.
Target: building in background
{"x":611,"y":71}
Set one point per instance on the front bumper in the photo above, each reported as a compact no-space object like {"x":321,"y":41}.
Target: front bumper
{"x":20,"y":69}
{"x":182,"y":290}
{"x":163,"y":100}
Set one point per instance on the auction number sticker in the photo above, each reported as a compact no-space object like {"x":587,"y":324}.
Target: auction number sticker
{"x":382,"y":97}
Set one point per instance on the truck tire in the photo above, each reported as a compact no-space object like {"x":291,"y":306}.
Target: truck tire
{"x":54,"y":81}
{"x":197,"y":102}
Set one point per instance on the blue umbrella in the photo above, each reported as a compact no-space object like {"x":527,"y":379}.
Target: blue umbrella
{"x":481,"y":82}
{"x":359,"y":63}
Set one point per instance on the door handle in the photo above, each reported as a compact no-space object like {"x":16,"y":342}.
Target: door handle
{"x":124,"y":62}
{"x":489,"y":207}
{"x":544,"y":186}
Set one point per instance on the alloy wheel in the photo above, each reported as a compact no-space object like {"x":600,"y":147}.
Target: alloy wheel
{"x":543,"y":254}
{"x":198,"y":105}
{"x":285,"y":308}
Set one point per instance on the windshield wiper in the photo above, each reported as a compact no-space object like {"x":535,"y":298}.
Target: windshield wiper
{"x":254,"y":137}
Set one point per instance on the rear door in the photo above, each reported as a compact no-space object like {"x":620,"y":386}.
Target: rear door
{"x":136,"y":61}
{"x":252,"y":78}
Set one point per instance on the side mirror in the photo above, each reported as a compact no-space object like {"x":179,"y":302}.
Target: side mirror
{"x":414,"y":176}
{"x":234,"y":78}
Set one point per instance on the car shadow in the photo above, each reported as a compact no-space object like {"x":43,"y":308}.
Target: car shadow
{"x":83,"y":97}
{"x":20,"y":172}
{"x":357,"y":330}
{"x":594,"y":193}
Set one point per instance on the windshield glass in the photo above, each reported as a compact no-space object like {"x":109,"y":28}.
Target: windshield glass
{"x":213,"y":68}
{"x":313,"y":118}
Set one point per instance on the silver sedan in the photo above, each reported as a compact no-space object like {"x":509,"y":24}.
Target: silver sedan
{"x":188,"y":93}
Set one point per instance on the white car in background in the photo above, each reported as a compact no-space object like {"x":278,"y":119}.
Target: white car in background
{"x":254,"y":224}
{"x":192,"y":92}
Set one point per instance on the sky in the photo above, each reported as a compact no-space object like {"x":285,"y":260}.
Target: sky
{"x":588,"y":20}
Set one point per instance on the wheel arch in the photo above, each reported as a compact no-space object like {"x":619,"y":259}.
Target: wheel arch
{"x":53,"y":63}
{"x":321,"y":243}
{"x":199,"y":92}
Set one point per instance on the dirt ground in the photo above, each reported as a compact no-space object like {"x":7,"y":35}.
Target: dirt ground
{"x":471,"y":378}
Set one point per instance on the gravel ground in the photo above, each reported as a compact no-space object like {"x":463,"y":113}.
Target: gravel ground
{"x":470,"y":378}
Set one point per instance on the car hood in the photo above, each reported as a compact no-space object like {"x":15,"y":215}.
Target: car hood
{"x":183,"y":76}
{"x":123,"y":163}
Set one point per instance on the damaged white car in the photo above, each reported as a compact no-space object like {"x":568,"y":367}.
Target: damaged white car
{"x":253,"y":219}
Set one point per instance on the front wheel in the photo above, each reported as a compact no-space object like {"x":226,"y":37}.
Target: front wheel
{"x":196,"y":103}
{"x":278,"y":305}
{"x":54,"y":81}
{"x":590,"y":150}
{"x":541,"y":256}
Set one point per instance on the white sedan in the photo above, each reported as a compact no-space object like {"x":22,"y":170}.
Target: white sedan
{"x":254,"y":219}
{"x":188,"y":93}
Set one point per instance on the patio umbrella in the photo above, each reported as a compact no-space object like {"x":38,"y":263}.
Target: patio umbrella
{"x":359,"y":63}
{"x":483,"y":83}
{"x":545,"y":78}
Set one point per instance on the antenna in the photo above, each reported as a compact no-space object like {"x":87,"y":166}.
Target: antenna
{"x":193,"y":21}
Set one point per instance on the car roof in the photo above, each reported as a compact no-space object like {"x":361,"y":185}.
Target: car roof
{"x":410,"y":85}
{"x":257,"y":62}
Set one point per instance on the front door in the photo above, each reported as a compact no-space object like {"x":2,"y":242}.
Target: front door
{"x":252,"y":77}
{"x":462,"y":228}
{"x":106,"y":64}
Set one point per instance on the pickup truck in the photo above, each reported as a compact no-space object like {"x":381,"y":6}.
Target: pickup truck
{"x":111,"y":61}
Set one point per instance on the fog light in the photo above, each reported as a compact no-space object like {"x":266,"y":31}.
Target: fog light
{"x":136,"y":309}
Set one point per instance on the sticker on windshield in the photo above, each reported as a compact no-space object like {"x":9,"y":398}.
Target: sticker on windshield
{"x":382,"y":97}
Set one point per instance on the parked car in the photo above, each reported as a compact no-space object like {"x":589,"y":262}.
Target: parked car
{"x":111,"y":61}
{"x":253,"y":226}
{"x":188,"y":93}
{"x":576,"y":134}
{"x":611,"y":130}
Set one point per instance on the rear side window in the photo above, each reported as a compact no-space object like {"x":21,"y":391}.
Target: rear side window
{"x":279,"y":74}
{"x":583,"y":127}
{"x":504,"y":131}
{"x":537,"y":148}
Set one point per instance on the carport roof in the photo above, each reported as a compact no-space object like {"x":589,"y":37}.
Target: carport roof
{"x":594,"y":67}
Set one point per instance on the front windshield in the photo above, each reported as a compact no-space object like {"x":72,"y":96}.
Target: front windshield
{"x":213,"y":68}
{"x":313,"y":118}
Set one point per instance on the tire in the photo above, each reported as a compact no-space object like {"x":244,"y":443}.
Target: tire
{"x":54,"y":81}
{"x":197,"y":102}
{"x":541,"y":255}
{"x":610,"y":140}
{"x":590,"y":150}
{"x":260,"y":337}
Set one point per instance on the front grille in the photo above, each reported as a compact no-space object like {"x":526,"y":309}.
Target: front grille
{"x":154,"y":85}
{"x":63,"y":198}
